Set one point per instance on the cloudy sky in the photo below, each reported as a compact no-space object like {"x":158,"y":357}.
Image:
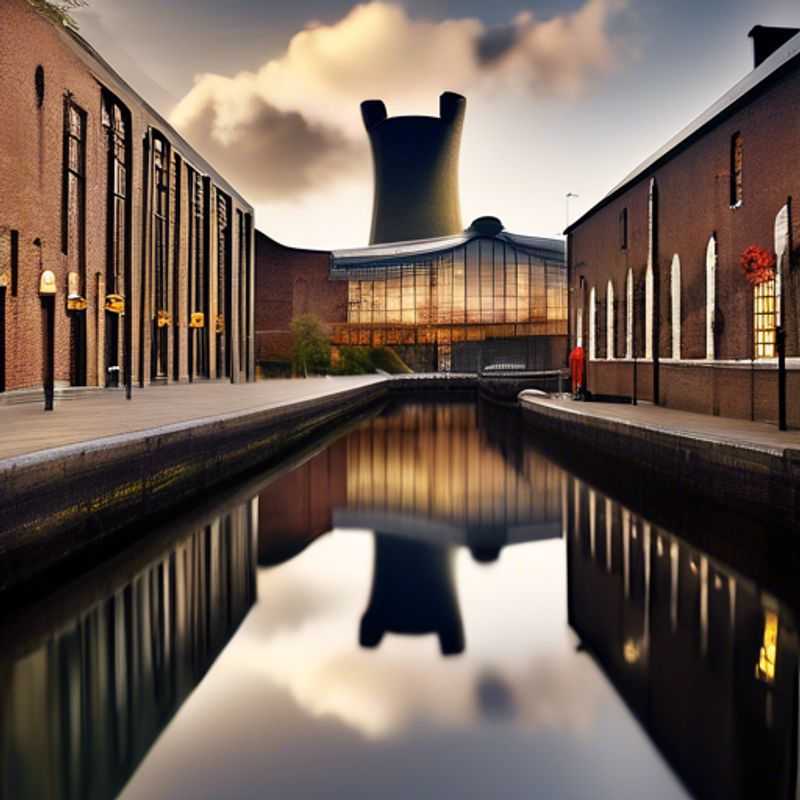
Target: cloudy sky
{"x":563,"y":95}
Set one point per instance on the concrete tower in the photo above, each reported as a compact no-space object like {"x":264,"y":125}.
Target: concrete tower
{"x":416,"y":171}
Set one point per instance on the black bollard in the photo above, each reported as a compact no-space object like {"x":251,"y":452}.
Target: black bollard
{"x":780,"y":344}
{"x":49,"y":311}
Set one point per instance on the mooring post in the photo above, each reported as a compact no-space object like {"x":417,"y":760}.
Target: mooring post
{"x":780,"y":344}
{"x":49,"y":309}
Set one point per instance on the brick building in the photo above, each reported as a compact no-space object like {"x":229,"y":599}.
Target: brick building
{"x":147,"y":248}
{"x":657,"y":288}
{"x":290,"y":282}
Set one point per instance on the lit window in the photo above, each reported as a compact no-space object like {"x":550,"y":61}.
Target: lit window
{"x":764,"y":319}
{"x":737,"y":157}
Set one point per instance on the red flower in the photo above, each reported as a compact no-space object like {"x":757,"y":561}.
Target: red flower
{"x":758,"y":265}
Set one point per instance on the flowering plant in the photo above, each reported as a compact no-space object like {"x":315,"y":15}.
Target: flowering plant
{"x":758,"y":265}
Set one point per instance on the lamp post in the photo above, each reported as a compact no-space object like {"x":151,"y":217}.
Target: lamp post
{"x":567,"y":197}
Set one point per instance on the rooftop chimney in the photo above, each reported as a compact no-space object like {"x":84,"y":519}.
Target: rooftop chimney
{"x":766,"y":40}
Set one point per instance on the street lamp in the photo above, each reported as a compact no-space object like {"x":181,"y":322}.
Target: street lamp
{"x":567,"y":197}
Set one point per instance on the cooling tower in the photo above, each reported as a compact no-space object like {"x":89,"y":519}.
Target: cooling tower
{"x":416,"y":171}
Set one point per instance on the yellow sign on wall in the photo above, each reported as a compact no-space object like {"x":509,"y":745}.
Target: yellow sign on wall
{"x":115,"y":303}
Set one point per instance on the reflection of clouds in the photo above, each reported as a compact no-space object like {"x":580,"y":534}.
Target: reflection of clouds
{"x":316,"y":657}
{"x":300,"y":711}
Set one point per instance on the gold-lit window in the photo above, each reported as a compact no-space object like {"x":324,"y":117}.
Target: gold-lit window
{"x":768,"y":652}
{"x":764,"y":319}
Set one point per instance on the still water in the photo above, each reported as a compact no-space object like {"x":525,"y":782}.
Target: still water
{"x":425,"y":606}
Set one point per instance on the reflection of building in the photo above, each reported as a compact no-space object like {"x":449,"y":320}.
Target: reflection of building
{"x":424,"y":286}
{"x":453,"y":474}
{"x":428,"y":471}
{"x":413,"y":592}
{"x":298,"y":506}
{"x":148,"y":247}
{"x":80,"y":709}
{"x":705,"y":660}
{"x":659,"y":279}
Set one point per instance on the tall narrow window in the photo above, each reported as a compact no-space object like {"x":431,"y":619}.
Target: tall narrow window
{"x":115,"y":121}
{"x":161,"y":315}
{"x":652,"y":213}
{"x":579,"y":328}
{"x":73,"y":199}
{"x":737,"y":160}
{"x":711,"y":297}
{"x":629,"y":314}
{"x":610,"y":307}
{"x":198,"y":277}
{"x":764,"y":319}
{"x":623,"y":229}
{"x":224,"y":288}
{"x":592,"y":323}
{"x":675,"y":288}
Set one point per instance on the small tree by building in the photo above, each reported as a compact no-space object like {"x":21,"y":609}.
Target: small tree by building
{"x":311,"y":348}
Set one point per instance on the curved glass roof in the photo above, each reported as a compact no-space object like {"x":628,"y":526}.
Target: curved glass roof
{"x":390,"y":253}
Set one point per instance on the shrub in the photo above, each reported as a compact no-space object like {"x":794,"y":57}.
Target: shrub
{"x":311,"y":349}
{"x":353,"y":361}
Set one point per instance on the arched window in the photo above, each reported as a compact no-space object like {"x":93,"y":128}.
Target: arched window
{"x":610,"y":321}
{"x":629,"y":314}
{"x":675,"y":289}
{"x":767,"y":295}
{"x":737,"y":160}
{"x":711,"y":296}
{"x":592,"y":323}
{"x":648,"y":276}
{"x":782,"y":228}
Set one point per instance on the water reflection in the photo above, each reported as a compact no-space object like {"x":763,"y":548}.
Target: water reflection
{"x":705,"y":658}
{"x":449,"y":473}
{"x":430,"y":530}
{"x":81,"y":704}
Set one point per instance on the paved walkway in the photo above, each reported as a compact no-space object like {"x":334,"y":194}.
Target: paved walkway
{"x":722,"y":430}
{"x":26,"y":428}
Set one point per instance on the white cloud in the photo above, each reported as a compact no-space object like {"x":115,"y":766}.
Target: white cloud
{"x":294,"y":123}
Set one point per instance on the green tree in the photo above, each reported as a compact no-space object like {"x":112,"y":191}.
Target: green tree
{"x":59,"y":11}
{"x":311,"y":348}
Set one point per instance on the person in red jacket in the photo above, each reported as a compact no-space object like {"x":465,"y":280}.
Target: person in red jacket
{"x":577,"y":360}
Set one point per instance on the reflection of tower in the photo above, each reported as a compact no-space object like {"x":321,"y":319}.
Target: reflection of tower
{"x":413,"y":592}
{"x":416,"y":171}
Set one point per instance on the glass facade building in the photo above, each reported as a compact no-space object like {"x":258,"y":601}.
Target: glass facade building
{"x":448,"y":292}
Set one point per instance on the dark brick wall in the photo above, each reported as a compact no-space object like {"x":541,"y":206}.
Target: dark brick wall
{"x":694,"y":203}
{"x":290,"y":282}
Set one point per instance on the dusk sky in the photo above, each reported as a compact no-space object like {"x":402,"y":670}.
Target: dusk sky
{"x":562,"y":96}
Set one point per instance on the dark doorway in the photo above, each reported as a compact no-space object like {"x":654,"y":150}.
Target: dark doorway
{"x":49,"y":350}
{"x":77,"y":371}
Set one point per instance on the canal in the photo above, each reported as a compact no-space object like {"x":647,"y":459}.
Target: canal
{"x":432,"y":602}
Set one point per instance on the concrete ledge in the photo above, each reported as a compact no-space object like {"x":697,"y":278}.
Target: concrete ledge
{"x":756,"y":477}
{"x":54,"y":503}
